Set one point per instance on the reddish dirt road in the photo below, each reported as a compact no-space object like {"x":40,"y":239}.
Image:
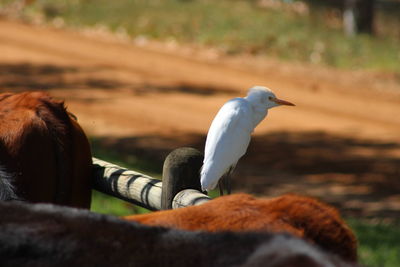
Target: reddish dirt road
{"x":340,"y":143}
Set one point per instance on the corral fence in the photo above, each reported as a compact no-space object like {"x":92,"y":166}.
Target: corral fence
{"x":179,"y":187}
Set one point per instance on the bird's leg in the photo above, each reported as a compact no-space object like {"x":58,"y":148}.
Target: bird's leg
{"x":224,"y":183}
{"x":227,"y":181}
{"x":221,"y":186}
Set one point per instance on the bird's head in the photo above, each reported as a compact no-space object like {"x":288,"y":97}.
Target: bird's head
{"x":261,"y":95}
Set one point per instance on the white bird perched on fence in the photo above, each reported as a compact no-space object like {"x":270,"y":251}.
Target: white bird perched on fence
{"x":229,"y":134}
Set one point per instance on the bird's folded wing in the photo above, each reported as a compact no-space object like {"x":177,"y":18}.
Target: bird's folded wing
{"x":227,"y":141}
{"x":229,"y":134}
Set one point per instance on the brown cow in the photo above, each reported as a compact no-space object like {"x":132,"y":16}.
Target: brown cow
{"x":44,"y":154}
{"x":301,"y":216}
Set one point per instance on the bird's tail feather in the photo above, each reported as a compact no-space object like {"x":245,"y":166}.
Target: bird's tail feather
{"x":209,"y":177}
{"x":206,"y":180}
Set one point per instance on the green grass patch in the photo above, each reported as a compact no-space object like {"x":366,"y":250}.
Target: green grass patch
{"x":130,"y":161}
{"x":379,"y":243}
{"x":233,"y":26}
{"x":105,"y":204}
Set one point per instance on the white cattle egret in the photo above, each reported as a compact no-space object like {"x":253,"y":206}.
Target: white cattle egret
{"x":230,"y":131}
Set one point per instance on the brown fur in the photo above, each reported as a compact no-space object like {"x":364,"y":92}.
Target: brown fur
{"x":301,"y":216}
{"x":44,"y":151}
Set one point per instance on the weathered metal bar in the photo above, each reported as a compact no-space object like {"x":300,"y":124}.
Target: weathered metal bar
{"x":189,"y":197}
{"x":128,"y":185}
{"x":180,"y":171}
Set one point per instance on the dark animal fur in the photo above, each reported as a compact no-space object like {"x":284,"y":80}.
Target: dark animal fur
{"x":59,"y":127}
{"x":6,"y":188}
{"x":45,"y":149}
{"x":47,"y":235}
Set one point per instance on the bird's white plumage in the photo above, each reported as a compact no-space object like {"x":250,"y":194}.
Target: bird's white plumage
{"x":230,"y":132}
{"x":232,"y":123}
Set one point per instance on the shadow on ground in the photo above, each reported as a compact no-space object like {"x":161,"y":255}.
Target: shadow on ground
{"x":33,"y":77}
{"x":361,"y":177}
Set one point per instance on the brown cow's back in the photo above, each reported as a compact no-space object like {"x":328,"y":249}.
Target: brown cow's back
{"x":301,"y":216}
{"x":44,"y":150}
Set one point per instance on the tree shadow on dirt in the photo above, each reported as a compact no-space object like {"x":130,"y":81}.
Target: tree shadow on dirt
{"x":47,"y":77}
{"x":361,"y":177}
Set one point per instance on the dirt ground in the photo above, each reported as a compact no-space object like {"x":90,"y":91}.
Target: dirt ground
{"x":341,"y":143}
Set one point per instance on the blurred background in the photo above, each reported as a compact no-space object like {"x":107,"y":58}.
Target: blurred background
{"x":145,"y":77}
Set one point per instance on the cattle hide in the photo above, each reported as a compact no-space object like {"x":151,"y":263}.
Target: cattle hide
{"x":48,"y":235}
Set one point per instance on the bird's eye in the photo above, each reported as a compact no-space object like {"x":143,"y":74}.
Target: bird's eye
{"x":270,"y":97}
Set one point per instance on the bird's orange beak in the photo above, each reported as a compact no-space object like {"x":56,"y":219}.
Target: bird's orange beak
{"x":282,"y":102}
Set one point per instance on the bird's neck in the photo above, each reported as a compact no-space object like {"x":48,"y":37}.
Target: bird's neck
{"x":259,"y":113}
